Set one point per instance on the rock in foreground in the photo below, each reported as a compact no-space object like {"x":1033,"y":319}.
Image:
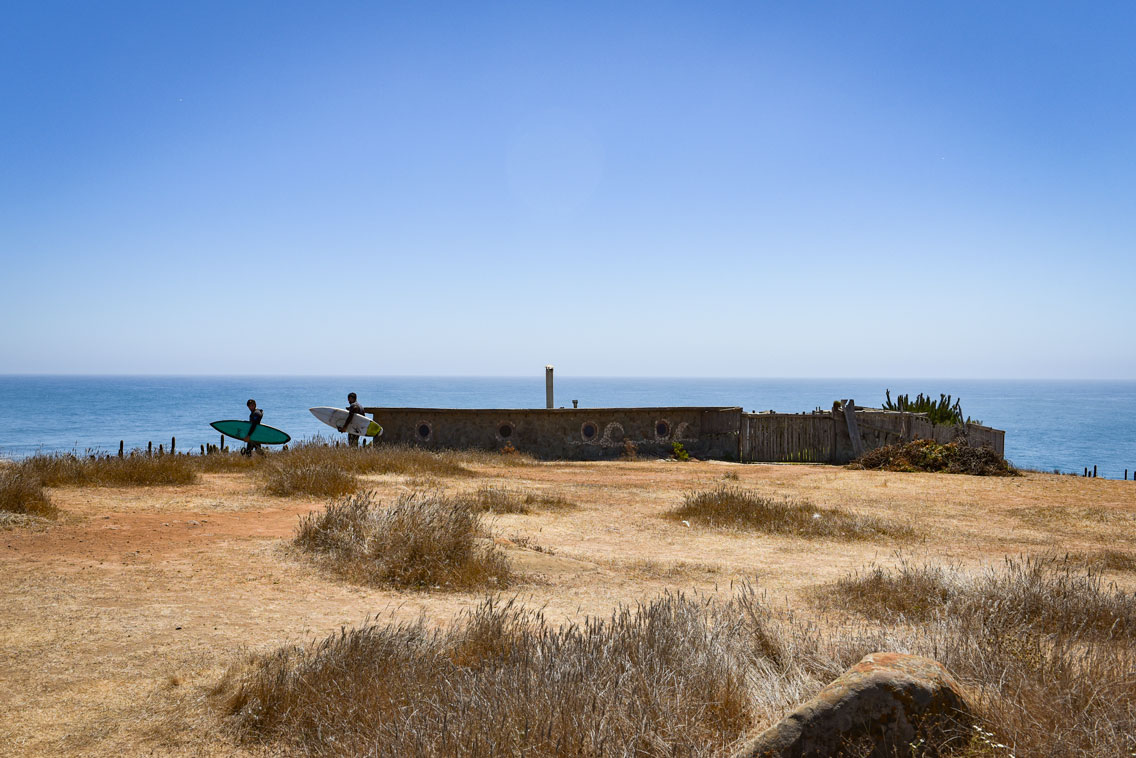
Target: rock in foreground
{"x":877,"y":708}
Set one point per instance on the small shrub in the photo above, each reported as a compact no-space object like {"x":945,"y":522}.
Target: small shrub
{"x":930,"y":456}
{"x":1041,"y":593}
{"x":678,"y":452}
{"x":22,"y":493}
{"x":732,"y":507}
{"x":630,"y":450}
{"x":503,"y":500}
{"x":496,"y":500}
{"x":508,"y":449}
{"x":1105,"y":560}
{"x":420,"y":541}
{"x":287,"y":479}
{"x":911,"y":592}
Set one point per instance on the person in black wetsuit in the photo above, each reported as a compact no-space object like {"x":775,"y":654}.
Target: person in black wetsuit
{"x":255,"y":415}
{"x":353,"y":409}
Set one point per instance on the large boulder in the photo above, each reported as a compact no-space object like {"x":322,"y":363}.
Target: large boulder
{"x":879,"y":707}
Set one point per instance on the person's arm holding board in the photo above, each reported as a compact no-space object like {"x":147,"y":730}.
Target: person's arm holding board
{"x":255,"y":415}
{"x":353,"y":410}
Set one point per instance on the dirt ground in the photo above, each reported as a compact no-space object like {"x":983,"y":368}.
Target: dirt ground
{"x":117,"y":619}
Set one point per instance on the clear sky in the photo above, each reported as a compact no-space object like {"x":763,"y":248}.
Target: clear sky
{"x":697,"y":189}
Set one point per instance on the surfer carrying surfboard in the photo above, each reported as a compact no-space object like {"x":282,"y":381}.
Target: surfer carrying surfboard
{"x":255,"y":415}
{"x":353,"y":409}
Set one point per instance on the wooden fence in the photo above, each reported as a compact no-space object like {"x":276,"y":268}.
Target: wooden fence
{"x":831,"y":437}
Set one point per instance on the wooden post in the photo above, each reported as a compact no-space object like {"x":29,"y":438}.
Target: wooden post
{"x":853,"y":428}
{"x":160,"y":450}
{"x":222,"y":442}
{"x":1094,"y":472}
{"x":1086,"y":471}
{"x":121,"y":447}
{"x":173,"y":445}
{"x":149,"y":448}
{"x":548,"y":387}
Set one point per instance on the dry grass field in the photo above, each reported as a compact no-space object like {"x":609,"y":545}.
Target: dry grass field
{"x":123,"y":616}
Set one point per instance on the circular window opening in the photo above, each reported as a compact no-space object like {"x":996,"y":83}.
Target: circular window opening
{"x":589,"y":431}
{"x":505,"y":431}
{"x":662,"y":429}
{"x":423,"y":431}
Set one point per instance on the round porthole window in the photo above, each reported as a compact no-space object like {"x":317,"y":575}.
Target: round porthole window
{"x":662,"y":429}
{"x":589,"y":430}
{"x":505,"y":431}
{"x":424,"y":431}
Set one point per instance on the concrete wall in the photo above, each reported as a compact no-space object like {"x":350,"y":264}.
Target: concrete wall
{"x":567,"y":433}
{"x":716,"y":433}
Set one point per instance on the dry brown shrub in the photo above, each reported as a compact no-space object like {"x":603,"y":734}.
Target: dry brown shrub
{"x":1105,"y":560}
{"x":498,"y":499}
{"x":289,"y":478}
{"x":96,"y":470}
{"x":22,"y":493}
{"x":1048,"y":648}
{"x":1043,"y":593}
{"x":672,"y":677}
{"x":735,"y":508}
{"x":931,"y":456}
{"x":420,"y":541}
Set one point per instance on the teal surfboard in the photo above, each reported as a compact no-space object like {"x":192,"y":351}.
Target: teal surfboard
{"x":265,"y":435}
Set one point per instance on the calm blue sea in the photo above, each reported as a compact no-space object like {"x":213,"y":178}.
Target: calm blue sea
{"x":1049,"y":424}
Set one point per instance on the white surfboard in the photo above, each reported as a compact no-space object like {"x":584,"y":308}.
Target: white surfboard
{"x":335,"y":417}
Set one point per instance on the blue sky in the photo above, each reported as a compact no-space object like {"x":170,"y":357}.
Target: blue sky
{"x":698,"y":189}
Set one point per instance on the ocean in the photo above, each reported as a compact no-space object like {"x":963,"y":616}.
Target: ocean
{"x":1050,"y":425}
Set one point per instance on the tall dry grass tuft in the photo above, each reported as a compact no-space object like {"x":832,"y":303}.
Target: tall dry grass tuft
{"x":1048,"y":649}
{"x":419,"y":541}
{"x":672,"y":677}
{"x":735,"y":508}
{"x":94,"y":470}
{"x":22,"y":493}
{"x":497,"y":499}
{"x":288,"y":478}
{"x":1043,"y":593}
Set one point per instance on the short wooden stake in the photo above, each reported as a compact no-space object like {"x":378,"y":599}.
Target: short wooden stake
{"x":1094,"y":472}
{"x":149,"y":448}
{"x":173,"y":444}
{"x":160,"y":453}
{"x":121,"y":447}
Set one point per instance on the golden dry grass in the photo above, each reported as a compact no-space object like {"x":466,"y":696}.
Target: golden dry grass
{"x":420,"y":541}
{"x":22,"y":494}
{"x":735,"y":508}
{"x":134,"y":470}
{"x":503,"y":499}
{"x":95,"y":663}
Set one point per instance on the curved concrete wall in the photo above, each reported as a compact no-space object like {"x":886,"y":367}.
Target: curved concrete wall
{"x":567,"y":433}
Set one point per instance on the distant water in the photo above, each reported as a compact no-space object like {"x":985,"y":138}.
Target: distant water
{"x":1049,"y":424}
